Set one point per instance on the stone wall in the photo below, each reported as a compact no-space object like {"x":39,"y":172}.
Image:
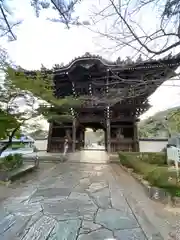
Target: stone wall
{"x":152,"y":145}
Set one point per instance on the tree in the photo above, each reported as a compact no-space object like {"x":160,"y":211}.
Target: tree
{"x":26,"y":95}
{"x":7,"y":124}
{"x":173,"y":121}
{"x":39,"y":134}
{"x":34,"y":129}
{"x":162,"y":124}
{"x":64,"y":8}
{"x":16,"y":107}
{"x":126,"y":28}
{"x":6,"y":23}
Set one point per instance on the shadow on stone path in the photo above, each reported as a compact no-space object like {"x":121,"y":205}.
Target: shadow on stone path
{"x":74,"y":201}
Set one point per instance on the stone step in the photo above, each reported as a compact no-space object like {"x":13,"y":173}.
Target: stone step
{"x":114,"y":158}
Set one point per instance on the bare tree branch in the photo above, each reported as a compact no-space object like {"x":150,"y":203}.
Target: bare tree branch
{"x":64,"y":9}
{"x":136,"y":37}
{"x":9,"y":29}
{"x":128,"y":31}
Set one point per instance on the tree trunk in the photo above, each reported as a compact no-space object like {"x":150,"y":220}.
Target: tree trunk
{"x":10,"y":140}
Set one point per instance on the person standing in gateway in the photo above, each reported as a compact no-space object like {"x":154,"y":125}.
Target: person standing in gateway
{"x":65,"y":146}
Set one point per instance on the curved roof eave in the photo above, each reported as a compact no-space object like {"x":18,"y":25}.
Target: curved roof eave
{"x":122,"y":65}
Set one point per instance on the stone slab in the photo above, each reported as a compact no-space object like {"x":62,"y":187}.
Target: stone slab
{"x":114,"y":219}
{"x":130,"y":234}
{"x":16,"y":230}
{"x":70,"y":208}
{"x":41,"y":229}
{"x":75,"y":202}
{"x":88,"y":226}
{"x":51,"y":192}
{"x":67,"y":230}
{"x":100,"y":234}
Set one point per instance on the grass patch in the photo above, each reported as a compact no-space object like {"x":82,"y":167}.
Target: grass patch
{"x":152,"y":167}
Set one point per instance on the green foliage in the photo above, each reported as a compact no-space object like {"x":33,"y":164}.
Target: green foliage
{"x":134,"y":162}
{"x":36,"y":92}
{"x":11,"y":162}
{"x":174,"y":121}
{"x":161,"y":124}
{"x":7,"y":123}
{"x":151,"y":170}
{"x":16,"y":106}
{"x":40,"y":85}
{"x":158,"y":158}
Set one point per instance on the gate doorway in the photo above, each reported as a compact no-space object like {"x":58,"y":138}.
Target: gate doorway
{"x":94,"y":139}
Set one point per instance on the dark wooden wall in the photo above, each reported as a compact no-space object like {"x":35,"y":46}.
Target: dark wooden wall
{"x":123,"y":137}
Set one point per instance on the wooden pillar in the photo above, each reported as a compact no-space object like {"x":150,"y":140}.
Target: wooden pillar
{"x":49,"y":137}
{"x":105,"y":139}
{"x":108,"y":136}
{"x":135,"y":138}
{"x":108,"y":125}
{"x":74,"y":135}
{"x":82,"y":138}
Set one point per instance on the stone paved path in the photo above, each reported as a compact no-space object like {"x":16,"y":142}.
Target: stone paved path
{"x":75,"y":201}
{"x":89,"y":156}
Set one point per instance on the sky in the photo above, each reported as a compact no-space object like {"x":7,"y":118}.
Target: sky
{"x":40,"y":41}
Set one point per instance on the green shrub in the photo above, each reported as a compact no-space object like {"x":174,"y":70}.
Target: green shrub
{"x":155,"y":174}
{"x":162,"y":178}
{"x":124,"y":161}
{"x":154,"y":158}
{"x":19,"y":159}
{"x":149,"y":157}
{"x":11,"y":162}
{"x":136,"y":163}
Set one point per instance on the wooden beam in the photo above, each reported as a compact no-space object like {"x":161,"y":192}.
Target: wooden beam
{"x":121,"y":126}
{"x":123,"y":140}
{"x":62,"y":126}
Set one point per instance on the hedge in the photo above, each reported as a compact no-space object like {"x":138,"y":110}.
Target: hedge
{"x":156,"y":174}
{"x":11,"y":162}
{"x":149,"y":157}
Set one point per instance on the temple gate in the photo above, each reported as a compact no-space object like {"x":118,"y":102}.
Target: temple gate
{"x":114,"y":96}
